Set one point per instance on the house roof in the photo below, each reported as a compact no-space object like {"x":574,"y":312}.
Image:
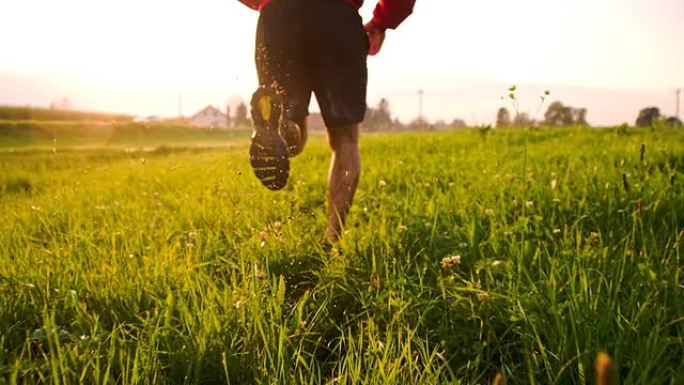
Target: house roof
{"x":208,"y":110}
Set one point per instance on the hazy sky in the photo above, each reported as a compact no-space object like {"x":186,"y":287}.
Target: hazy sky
{"x":137,"y":56}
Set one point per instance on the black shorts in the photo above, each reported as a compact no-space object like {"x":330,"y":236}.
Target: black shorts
{"x":318,"y":46}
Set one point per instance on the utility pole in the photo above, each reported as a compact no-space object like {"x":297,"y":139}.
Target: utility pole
{"x":678,"y":92}
{"x":420,"y":105}
{"x":180,"y":106}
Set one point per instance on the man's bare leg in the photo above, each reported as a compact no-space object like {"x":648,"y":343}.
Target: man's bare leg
{"x":343,"y":178}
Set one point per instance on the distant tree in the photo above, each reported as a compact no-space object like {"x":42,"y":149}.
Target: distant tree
{"x":503,"y":118}
{"x":241,"y":115}
{"x":384,"y":117}
{"x":579,"y":116}
{"x":228,"y":119}
{"x":523,"y":120}
{"x":397,"y":125}
{"x":674,"y":121}
{"x":420,"y":124}
{"x":379,"y":118}
{"x":384,"y":107}
{"x":440,"y":124}
{"x":458,"y":123}
{"x":647,"y":116}
{"x":558,"y":115}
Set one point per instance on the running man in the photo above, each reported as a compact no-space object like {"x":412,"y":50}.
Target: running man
{"x":319,"y":47}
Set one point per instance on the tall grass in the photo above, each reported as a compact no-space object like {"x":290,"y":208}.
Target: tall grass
{"x":175,"y":267}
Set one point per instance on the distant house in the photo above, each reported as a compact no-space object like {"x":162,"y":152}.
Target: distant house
{"x":210,"y":116}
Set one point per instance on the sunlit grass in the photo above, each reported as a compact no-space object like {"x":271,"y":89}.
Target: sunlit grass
{"x":176,"y":266}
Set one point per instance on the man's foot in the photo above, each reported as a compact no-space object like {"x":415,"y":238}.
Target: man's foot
{"x":291,"y":132}
{"x":332,"y":249}
{"x":268,"y":152}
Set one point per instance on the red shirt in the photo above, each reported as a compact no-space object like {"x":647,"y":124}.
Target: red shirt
{"x":387,"y":14}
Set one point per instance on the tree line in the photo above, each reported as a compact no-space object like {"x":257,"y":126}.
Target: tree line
{"x":560,"y":115}
{"x":379,"y":119}
{"x":557,"y":115}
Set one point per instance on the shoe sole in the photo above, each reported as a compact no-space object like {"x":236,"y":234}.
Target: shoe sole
{"x":268,"y":151}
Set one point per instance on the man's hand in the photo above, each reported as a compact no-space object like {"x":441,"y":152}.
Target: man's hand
{"x":376,"y":36}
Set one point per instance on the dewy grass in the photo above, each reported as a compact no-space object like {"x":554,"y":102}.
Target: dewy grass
{"x":175,"y":267}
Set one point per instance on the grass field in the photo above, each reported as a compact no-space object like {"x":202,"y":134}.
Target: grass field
{"x":41,"y":135}
{"x":467,"y":254}
{"x":44,"y":114}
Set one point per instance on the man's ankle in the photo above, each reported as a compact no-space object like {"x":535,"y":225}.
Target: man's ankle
{"x":332,"y":235}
